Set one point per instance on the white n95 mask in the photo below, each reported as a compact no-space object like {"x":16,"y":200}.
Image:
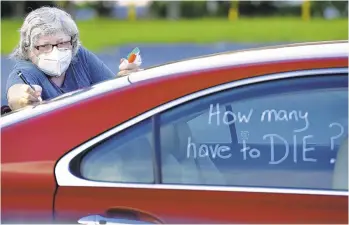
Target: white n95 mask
{"x":56,"y":62}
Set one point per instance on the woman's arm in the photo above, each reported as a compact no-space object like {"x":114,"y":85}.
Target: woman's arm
{"x":14,"y":79}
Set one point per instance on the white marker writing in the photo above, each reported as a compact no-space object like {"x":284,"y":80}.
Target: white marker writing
{"x":212,"y":113}
{"x":216,"y":150}
{"x":229,"y":117}
{"x":244,"y":135}
{"x":274,"y":115}
{"x":338,"y":135}
{"x":253,"y":153}
{"x":335,"y":137}
{"x":243,"y":118}
{"x":282,"y":115}
{"x":305,"y":118}
{"x":224,"y":149}
{"x":189,"y":147}
{"x":305,"y":149}
{"x":203,"y":151}
{"x":226,"y":118}
{"x":272,"y":148}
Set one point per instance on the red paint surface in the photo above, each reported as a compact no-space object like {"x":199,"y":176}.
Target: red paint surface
{"x":179,"y":206}
{"x":27,"y":190}
{"x":46,"y":138}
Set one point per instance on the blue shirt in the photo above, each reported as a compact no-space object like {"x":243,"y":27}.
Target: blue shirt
{"x":85,"y":70}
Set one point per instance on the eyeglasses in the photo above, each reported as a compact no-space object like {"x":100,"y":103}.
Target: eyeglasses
{"x":49,"y":47}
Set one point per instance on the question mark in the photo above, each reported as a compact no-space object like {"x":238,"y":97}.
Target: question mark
{"x":335,"y":137}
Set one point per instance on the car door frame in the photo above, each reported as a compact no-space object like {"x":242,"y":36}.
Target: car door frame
{"x":65,"y":178}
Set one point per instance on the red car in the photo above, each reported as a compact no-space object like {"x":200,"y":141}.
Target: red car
{"x":255,"y":136}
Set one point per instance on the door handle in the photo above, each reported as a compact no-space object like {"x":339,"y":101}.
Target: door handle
{"x":97,"y":219}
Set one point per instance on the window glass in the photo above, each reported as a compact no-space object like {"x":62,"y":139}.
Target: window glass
{"x":124,"y":157}
{"x":216,"y":132}
{"x":298,"y":112}
{"x":284,"y":133}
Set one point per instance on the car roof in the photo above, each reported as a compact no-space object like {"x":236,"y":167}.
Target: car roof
{"x":319,"y":50}
{"x":311,"y":50}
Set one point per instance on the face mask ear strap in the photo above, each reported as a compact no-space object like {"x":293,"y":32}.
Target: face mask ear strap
{"x":36,"y":56}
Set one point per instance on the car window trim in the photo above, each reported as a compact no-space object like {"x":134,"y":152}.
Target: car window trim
{"x":156,"y":153}
{"x":232,"y":127}
{"x":65,"y":178}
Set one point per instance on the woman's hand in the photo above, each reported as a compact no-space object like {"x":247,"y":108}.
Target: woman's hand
{"x":128,"y":68}
{"x":21,"y":95}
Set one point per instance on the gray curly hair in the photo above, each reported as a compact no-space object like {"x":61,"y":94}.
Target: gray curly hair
{"x":45,"y":21}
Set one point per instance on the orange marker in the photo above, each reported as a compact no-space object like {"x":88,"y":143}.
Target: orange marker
{"x":132,"y":58}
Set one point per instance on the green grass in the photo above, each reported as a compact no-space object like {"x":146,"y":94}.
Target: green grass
{"x":99,"y":34}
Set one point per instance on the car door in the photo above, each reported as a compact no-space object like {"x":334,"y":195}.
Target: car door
{"x":261,"y":150}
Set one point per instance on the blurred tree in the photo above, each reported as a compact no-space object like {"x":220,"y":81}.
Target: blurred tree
{"x":223,"y":8}
{"x":5,"y":9}
{"x":290,"y":10}
{"x":173,"y":10}
{"x":32,"y":5}
{"x":193,"y":9}
{"x":257,"y":8}
{"x":12,"y":9}
{"x":157,"y":9}
{"x":319,"y":7}
{"x":177,"y":9}
{"x":19,"y":9}
{"x":212,"y":7}
{"x":68,"y":6}
{"x":103,"y":8}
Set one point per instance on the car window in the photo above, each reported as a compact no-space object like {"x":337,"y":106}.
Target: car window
{"x":299,"y":111}
{"x":216,"y":132}
{"x":124,"y":157}
{"x":283,"y":133}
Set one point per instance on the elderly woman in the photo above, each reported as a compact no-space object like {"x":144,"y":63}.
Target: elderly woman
{"x":51,"y":59}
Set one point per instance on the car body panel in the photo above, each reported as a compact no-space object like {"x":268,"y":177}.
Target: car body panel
{"x":254,"y":56}
{"x":54,"y":128}
{"x":63,"y":100}
{"x":62,"y":170}
{"x":27,"y":191}
{"x":123,"y":104}
{"x":305,"y":51}
{"x":202,"y":206}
